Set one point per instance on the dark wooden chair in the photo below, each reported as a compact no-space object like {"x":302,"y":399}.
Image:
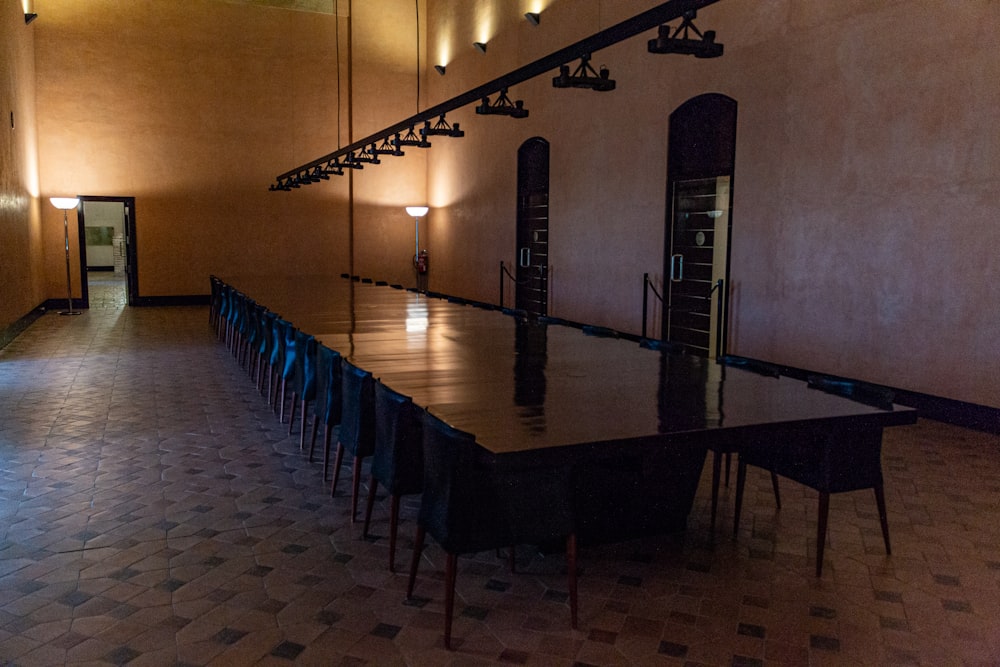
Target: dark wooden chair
{"x":468,"y":505}
{"x":834,"y":460}
{"x":357,"y":425}
{"x":328,"y":403}
{"x":304,"y":382}
{"x":397,"y":462}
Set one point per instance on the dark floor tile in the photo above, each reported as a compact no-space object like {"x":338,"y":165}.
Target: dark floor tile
{"x":288,"y":650}
{"x":229,"y":636}
{"x":386,"y":630}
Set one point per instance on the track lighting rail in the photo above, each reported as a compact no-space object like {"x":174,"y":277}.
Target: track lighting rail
{"x":647,"y":20}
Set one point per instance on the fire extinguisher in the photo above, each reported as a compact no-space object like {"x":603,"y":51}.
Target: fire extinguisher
{"x":420,"y":262}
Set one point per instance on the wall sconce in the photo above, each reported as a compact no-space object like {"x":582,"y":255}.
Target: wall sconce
{"x":480,"y":46}
{"x":534,"y":18}
{"x":705,"y":47}
{"x":584,"y":76}
{"x":28,"y":18}
{"x":440,"y":69}
{"x":64,"y":204}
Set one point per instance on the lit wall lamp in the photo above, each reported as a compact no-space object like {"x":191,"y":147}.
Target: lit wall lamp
{"x":65,"y":204}
{"x":502,"y":107}
{"x":419,"y":259}
{"x":440,"y":69}
{"x":584,"y":76}
{"x":534,"y":18}
{"x":480,"y":46}
{"x":704,"y":47}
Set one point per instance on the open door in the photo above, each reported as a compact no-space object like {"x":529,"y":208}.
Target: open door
{"x":533,"y":226}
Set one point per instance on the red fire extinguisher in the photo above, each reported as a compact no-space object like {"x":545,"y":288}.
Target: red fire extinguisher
{"x":420,"y":262}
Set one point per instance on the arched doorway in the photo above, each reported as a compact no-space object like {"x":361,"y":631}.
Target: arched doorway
{"x":533,"y":226}
{"x":701,"y":156}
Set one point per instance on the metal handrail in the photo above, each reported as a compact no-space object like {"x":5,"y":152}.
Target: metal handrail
{"x":648,"y":285}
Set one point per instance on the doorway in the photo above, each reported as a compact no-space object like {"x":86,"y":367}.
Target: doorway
{"x":533,"y":226}
{"x":701,"y":157}
{"x":107,"y":252}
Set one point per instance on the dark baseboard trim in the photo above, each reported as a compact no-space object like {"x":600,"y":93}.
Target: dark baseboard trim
{"x":183,"y":300}
{"x":948,"y":410}
{"x":9,"y":333}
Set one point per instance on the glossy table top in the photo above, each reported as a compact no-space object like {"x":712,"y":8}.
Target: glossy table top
{"x":526,"y":386}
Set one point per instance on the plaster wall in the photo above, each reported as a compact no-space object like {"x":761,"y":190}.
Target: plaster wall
{"x":21,"y":280}
{"x":192,"y":108}
{"x":864,"y":188}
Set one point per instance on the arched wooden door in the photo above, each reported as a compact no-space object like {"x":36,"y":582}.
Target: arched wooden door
{"x":701,"y":156}
{"x":533,"y":226}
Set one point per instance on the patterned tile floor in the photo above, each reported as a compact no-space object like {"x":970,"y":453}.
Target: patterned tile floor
{"x":154,"y":512}
{"x":106,"y":289}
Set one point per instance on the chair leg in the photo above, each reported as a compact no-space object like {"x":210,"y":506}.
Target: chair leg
{"x":356,"y":486}
{"x":774,"y":485}
{"x":393,"y":529}
{"x":824,"y":513}
{"x":571,"y":575}
{"x":291,"y":415}
{"x":281,"y":409}
{"x":312,"y":441}
{"x":327,"y":432}
{"x":370,"y":504}
{"x":741,"y":480}
{"x":729,"y":463}
{"x":450,"y":572}
{"x":418,"y":547}
{"x":302,"y":424}
{"x":338,"y":460}
{"x":882,"y":516}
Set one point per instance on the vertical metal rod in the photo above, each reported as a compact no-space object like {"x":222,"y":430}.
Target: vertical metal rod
{"x":719,"y":352}
{"x":645,"y":297}
{"x":69,"y":285}
{"x":501,"y":283}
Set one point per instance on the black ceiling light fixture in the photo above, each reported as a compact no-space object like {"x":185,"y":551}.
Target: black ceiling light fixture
{"x":411,"y":139}
{"x":442,"y":129}
{"x":534,"y":18}
{"x":366,"y":156}
{"x":502,"y":107}
{"x":704,"y":47}
{"x":584,"y":76}
{"x":385,"y":148}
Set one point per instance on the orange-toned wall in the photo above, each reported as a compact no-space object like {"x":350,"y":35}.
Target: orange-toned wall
{"x":192,"y":108}
{"x":20,"y":231}
{"x":865,"y":183}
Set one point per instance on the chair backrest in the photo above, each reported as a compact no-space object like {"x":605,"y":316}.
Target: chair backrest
{"x":357,"y":417}
{"x":289,"y":352}
{"x":278,"y":327}
{"x":398,"y":462}
{"x":752,"y":365}
{"x":328,"y":385}
{"x":862,"y":392}
{"x":266,"y":342}
{"x":305,"y":366}
{"x":460,"y":506}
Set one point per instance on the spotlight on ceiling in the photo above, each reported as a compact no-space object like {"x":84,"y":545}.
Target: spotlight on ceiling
{"x":480,"y":46}
{"x":352,"y":162}
{"x":333,"y":168}
{"x":534,"y":18}
{"x":442,"y":128}
{"x":319,"y":174}
{"x":584,"y":76}
{"x":502,"y":107}
{"x":440,"y":69}
{"x":704,"y":47}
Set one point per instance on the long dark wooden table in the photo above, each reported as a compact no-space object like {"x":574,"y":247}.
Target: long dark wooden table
{"x":633,"y":423}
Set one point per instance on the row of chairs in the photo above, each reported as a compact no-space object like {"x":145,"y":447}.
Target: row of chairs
{"x":467,"y":505}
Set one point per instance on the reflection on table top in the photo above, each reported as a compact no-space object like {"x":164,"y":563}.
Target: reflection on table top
{"x":520,"y":386}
